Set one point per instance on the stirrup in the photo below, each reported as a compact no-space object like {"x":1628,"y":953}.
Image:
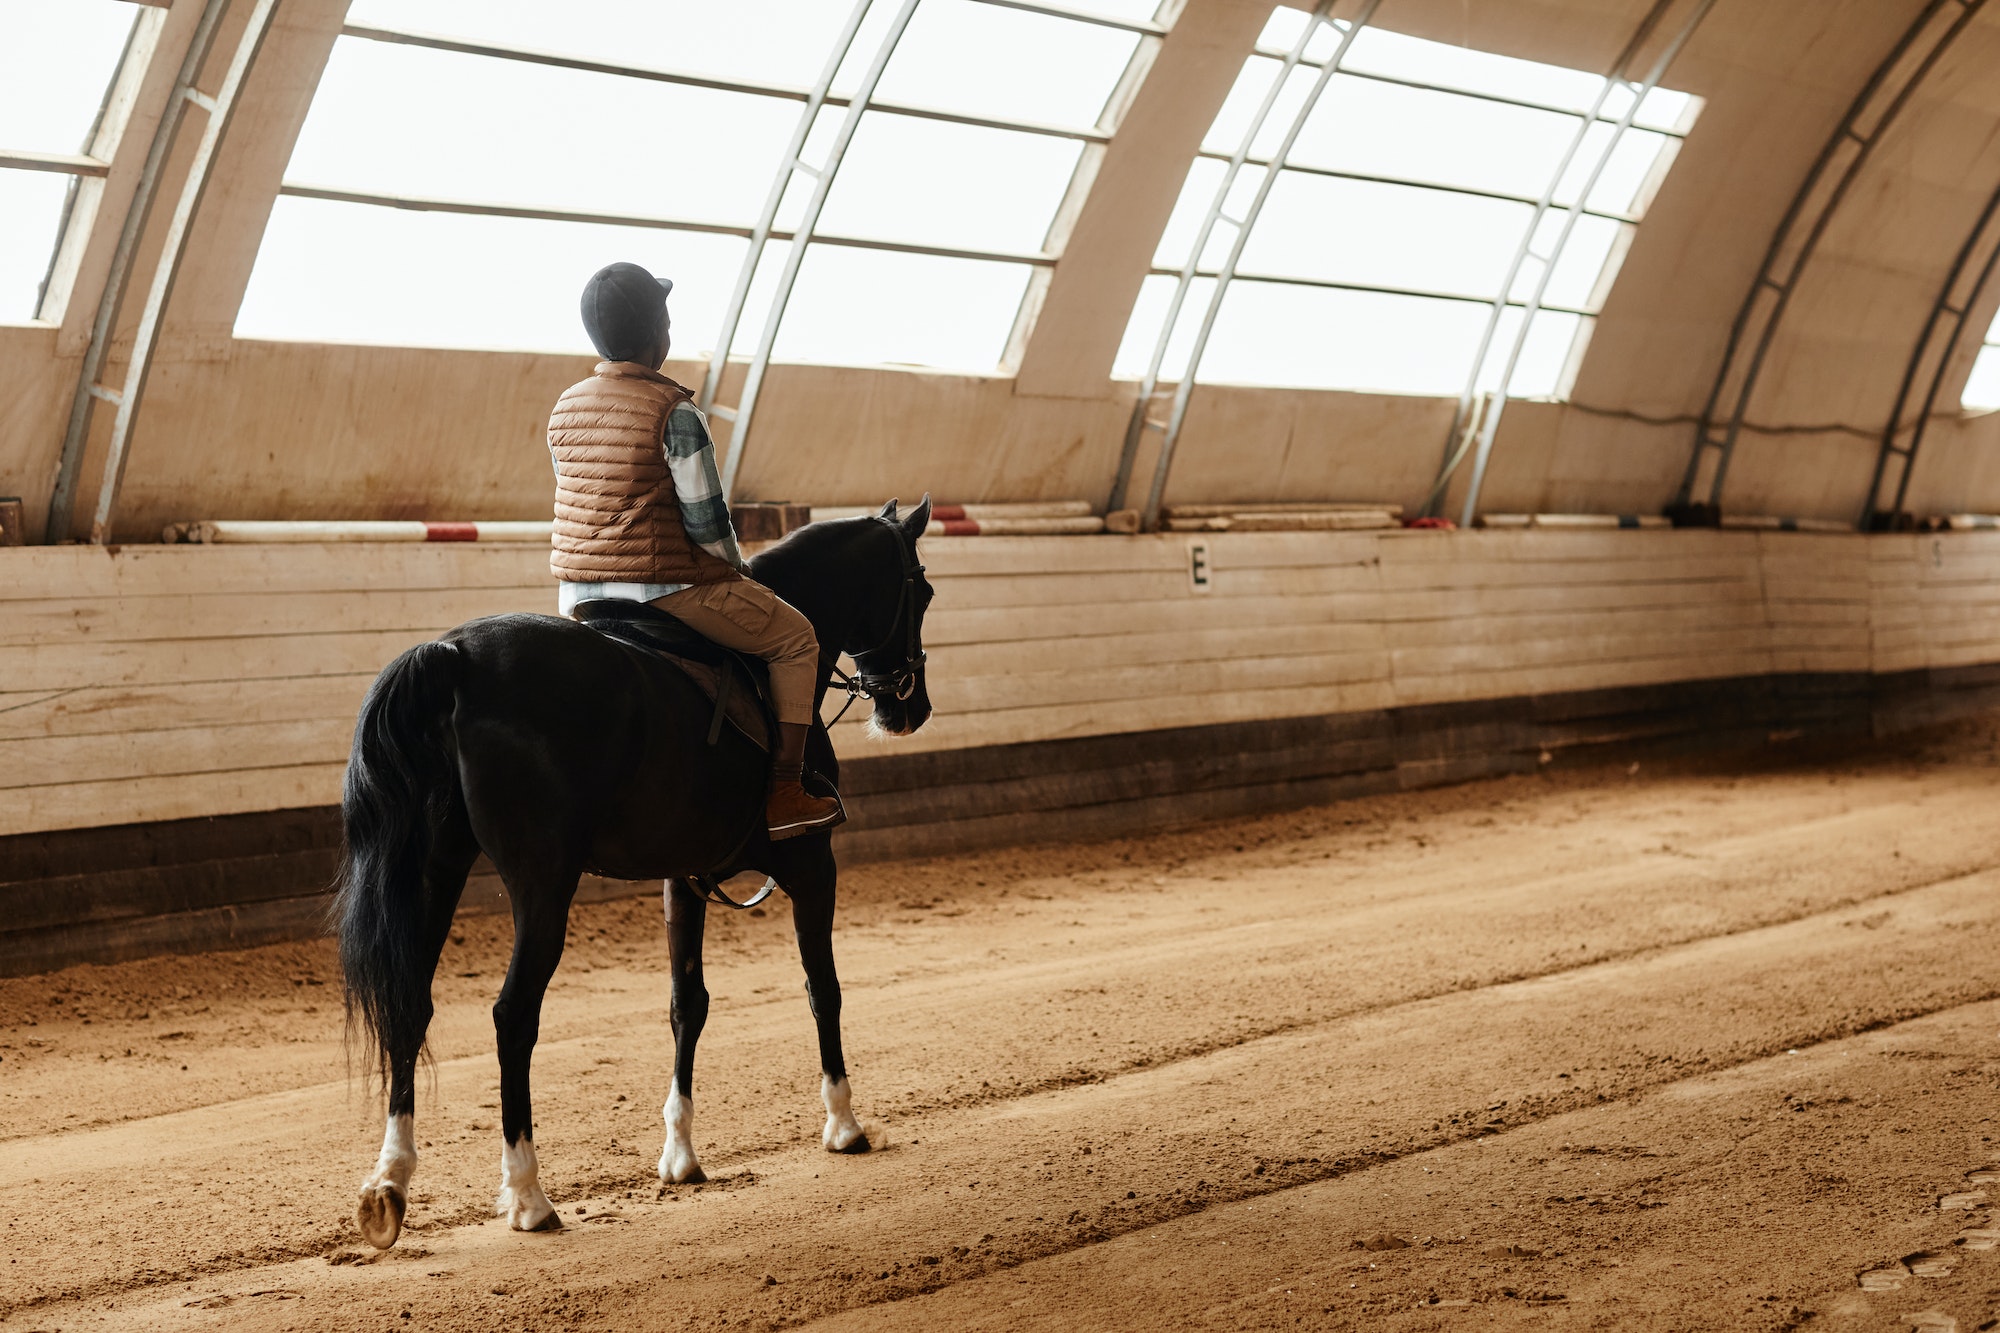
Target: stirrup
{"x":799,"y":828}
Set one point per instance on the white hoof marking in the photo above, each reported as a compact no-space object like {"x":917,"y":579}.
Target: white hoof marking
{"x":385,"y":1194}
{"x":678,"y":1165}
{"x":521,"y":1199}
{"x":843,"y":1132}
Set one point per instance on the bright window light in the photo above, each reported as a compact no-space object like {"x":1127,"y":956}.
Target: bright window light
{"x":980,"y":188}
{"x":1982,"y":391}
{"x":536,"y":136}
{"x":1026,"y":67}
{"x":766,"y":41}
{"x":355,"y":273}
{"x":875,"y":307}
{"x":57,"y":60}
{"x":31,"y":209}
{"x":395,"y":122}
{"x":1402,"y":205}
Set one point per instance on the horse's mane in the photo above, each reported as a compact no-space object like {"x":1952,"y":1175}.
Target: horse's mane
{"x":814,"y":541}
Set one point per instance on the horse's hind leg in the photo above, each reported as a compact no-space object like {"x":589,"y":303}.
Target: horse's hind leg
{"x":687,"y":913}
{"x":541,"y":915}
{"x":812,"y":893}
{"x":385,"y":1194}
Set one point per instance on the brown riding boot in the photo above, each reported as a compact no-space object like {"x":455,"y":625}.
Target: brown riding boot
{"x":790,"y":809}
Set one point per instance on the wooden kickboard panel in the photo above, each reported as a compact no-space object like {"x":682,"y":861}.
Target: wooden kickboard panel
{"x":159,"y":682}
{"x":101,"y":894}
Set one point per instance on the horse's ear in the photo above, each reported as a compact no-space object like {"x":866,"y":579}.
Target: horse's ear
{"x":888,"y":511}
{"x":918,"y":519}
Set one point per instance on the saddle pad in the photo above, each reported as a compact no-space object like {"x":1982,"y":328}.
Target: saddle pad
{"x":744,"y":709}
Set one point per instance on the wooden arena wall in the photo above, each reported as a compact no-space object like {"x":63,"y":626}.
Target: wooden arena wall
{"x":174,"y":720}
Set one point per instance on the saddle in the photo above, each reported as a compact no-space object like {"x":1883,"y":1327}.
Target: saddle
{"x":737,"y":684}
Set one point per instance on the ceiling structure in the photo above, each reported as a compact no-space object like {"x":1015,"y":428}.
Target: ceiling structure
{"x":1780,"y":242}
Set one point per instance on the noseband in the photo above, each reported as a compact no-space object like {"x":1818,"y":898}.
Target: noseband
{"x":899,"y":682}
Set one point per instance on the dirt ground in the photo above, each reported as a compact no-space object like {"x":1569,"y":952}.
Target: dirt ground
{"x":1690,"y":1047}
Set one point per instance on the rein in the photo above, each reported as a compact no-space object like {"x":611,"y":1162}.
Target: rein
{"x":901,"y":681}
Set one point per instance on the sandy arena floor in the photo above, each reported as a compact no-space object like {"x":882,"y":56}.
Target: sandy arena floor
{"x":1675,"y":1049}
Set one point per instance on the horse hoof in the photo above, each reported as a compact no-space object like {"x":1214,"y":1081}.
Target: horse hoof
{"x":527,"y":1210}
{"x":681,"y":1168}
{"x":845,"y":1137}
{"x":380,"y":1215}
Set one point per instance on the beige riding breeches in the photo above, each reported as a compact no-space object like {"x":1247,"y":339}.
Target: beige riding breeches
{"x":747,"y":616}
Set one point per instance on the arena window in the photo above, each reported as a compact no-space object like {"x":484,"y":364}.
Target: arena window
{"x":61,"y":123}
{"x":1395,"y":218}
{"x":1982,"y":390}
{"x":562,"y":154}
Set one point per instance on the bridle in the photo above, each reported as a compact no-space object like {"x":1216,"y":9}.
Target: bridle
{"x":899,"y":682}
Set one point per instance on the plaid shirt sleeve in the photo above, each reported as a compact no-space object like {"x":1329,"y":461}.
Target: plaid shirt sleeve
{"x":691,"y":459}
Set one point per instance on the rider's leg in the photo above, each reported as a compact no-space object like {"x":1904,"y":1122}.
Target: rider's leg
{"x":748,"y":617}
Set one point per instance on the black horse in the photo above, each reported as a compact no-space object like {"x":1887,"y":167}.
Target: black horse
{"x":555,"y":750}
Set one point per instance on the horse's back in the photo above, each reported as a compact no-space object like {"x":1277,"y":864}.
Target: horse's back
{"x":559,"y":723}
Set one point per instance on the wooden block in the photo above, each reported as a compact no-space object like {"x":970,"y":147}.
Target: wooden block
{"x":767,"y":521}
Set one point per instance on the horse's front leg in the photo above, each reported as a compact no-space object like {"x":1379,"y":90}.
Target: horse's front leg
{"x":812,"y":897}
{"x":687,"y":912}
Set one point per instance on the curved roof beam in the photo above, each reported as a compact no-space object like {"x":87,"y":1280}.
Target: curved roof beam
{"x":221,"y":107}
{"x":88,"y":391}
{"x":1931,"y":360}
{"x":1142,"y":411}
{"x":1476,"y":424}
{"x":742,"y":415}
{"x":1071,"y":329}
{"x":1818,"y":199}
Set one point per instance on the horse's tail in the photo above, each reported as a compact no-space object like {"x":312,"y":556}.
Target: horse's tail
{"x":401,"y":783}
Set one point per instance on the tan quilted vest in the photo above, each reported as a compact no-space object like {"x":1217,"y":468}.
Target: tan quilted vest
{"x":617,"y":520}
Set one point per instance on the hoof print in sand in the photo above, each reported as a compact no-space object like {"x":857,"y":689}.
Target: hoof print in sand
{"x":1968,"y":1200}
{"x":1885,"y":1279}
{"x":1930,"y":1265}
{"x":1983,"y":1175}
{"x":1979,"y":1238}
{"x":1931,"y":1321}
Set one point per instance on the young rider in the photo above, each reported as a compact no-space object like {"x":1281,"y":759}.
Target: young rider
{"x":640,"y":516}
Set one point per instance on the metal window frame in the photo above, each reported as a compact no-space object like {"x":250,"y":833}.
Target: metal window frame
{"x":1144,"y":27}
{"x":1375,"y":288}
{"x":1765,"y":303}
{"x":66,"y":164}
{"x":221,"y":107}
{"x":1474,"y":430}
{"x":1502,"y":99}
{"x":84,"y":397}
{"x":741,"y":416}
{"x":423,"y":204}
{"x":134,"y":54}
{"x":1075,"y":199}
{"x":819,"y":94}
{"x":761,"y":234}
{"x":1416,"y":183}
{"x":1936,"y":348}
{"x":1142,"y":419}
